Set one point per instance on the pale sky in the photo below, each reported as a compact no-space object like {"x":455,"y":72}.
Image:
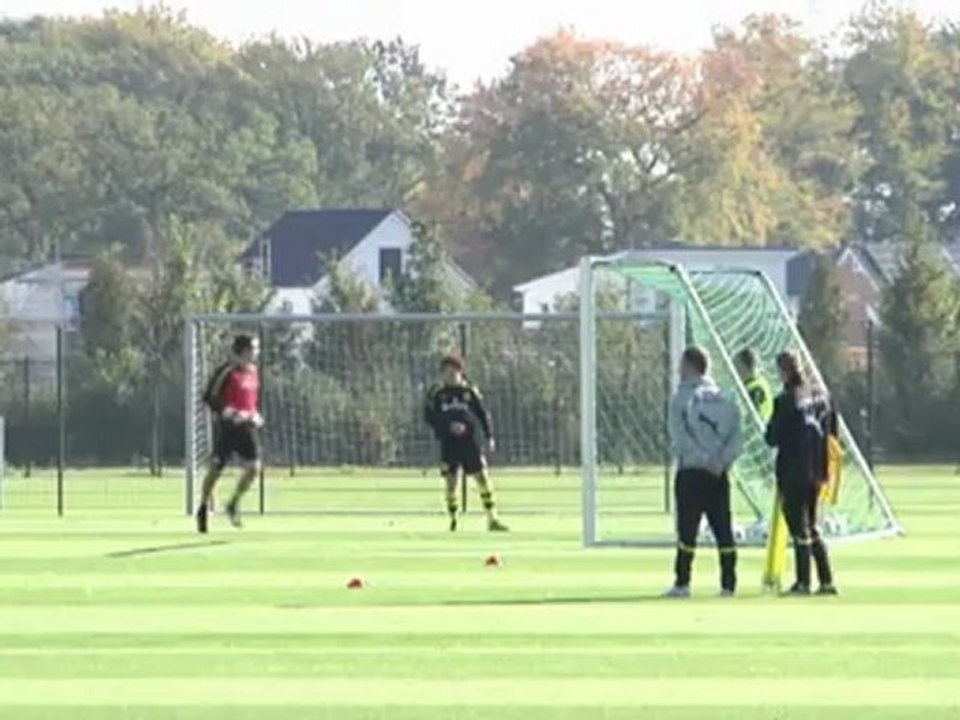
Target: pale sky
{"x":473,"y":39}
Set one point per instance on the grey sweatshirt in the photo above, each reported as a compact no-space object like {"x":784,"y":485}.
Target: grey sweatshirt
{"x":705,"y":427}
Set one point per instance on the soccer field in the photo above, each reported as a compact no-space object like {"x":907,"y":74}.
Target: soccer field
{"x":127,"y":614}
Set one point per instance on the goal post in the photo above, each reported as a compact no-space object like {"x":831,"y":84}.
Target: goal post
{"x":722,"y":311}
{"x":342,"y":396}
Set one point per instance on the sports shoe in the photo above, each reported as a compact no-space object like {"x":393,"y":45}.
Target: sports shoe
{"x":677,"y":591}
{"x":828,"y":590}
{"x":797,"y":590}
{"x":494,"y":525}
{"x":453,"y":523}
{"x":233,"y":512}
{"x":728,"y":593}
{"x":202,"y":520}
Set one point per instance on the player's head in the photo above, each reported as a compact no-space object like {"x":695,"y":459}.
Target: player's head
{"x":746,"y":362}
{"x":245,"y":348}
{"x":452,"y":368}
{"x":790,"y":371}
{"x":694,"y":363}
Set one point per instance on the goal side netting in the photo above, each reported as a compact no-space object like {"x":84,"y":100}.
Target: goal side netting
{"x":722,"y":311}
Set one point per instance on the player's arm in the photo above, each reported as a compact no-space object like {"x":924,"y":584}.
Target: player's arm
{"x":732,"y":436}
{"x":758,"y":396}
{"x":478,"y":408}
{"x":675,"y":425}
{"x":214,"y":392}
{"x":430,"y":414}
{"x":775,"y":425}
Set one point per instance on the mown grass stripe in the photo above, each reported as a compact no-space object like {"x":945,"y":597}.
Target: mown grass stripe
{"x":646,"y":616}
{"x":412,"y":691}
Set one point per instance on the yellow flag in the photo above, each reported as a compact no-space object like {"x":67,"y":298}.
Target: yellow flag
{"x":830,"y":493}
{"x":776,"y":562}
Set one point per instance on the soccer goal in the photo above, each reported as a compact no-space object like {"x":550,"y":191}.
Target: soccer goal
{"x":722,"y":311}
{"x":342,"y":396}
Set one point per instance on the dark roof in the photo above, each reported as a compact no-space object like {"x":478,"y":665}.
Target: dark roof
{"x":302,"y":238}
{"x":886,"y":259}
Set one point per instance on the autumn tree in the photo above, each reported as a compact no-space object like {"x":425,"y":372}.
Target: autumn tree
{"x":576,"y":150}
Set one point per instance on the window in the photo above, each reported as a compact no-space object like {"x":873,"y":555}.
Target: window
{"x":391,"y":263}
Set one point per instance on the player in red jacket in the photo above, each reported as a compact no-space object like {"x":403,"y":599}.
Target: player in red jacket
{"x":233,"y":395}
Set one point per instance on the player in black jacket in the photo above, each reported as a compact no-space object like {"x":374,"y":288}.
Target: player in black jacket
{"x":796,"y":430}
{"x":454,"y":410}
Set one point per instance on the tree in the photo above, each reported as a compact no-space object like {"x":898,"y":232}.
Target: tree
{"x":577,"y":150}
{"x":919,"y":340}
{"x":775,"y":157}
{"x":823,"y":317}
{"x":425,"y":283}
{"x":904,"y":79}
{"x":110,"y":301}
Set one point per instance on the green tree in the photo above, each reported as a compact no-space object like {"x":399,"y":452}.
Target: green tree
{"x":904,"y":79}
{"x":919,"y":341}
{"x":425,"y":285}
{"x":823,"y":317}
{"x":110,"y":301}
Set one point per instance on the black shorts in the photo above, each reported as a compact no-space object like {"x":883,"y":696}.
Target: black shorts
{"x":466,"y":456}
{"x":236,"y":440}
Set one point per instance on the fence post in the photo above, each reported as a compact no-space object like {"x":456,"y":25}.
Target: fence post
{"x":28,"y":440}
{"x":61,"y":419}
{"x":261,"y":489}
{"x":871,"y":403}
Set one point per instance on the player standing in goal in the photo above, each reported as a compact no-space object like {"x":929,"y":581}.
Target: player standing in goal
{"x":233,"y":395}
{"x":454,"y":410}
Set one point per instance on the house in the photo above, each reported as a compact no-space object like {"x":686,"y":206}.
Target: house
{"x":373,"y":244}
{"x":34,"y":301}
{"x":865,"y":269}
{"x":787,"y":268}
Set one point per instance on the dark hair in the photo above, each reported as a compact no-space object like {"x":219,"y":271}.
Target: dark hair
{"x":747,"y":358}
{"x":452,"y":361}
{"x":241,"y":344}
{"x":696,"y":359}
{"x":790,"y":365}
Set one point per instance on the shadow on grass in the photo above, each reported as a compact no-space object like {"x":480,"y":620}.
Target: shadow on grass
{"x":157,"y":549}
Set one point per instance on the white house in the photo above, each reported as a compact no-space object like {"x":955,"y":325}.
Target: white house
{"x":788,"y":270}
{"x":35,"y":301}
{"x":373,"y":244}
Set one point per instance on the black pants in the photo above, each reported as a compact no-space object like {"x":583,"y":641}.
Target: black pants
{"x":800,"y":511}
{"x":700,"y":493}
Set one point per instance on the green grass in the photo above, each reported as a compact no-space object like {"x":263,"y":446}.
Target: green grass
{"x":119,"y":611}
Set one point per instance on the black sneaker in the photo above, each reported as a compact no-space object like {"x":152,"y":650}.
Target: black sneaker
{"x":233,"y":512}
{"x":797,"y":590}
{"x":202,"y":520}
{"x":453,"y":523}
{"x":829,"y":589}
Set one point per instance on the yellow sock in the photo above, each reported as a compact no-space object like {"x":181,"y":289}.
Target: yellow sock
{"x":452,"y":505}
{"x":486,"y":497}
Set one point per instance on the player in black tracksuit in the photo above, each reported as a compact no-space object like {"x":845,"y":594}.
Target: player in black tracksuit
{"x":455,"y":412}
{"x":800,"y":472}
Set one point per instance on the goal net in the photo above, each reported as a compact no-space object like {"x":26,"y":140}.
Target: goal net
{"x":723,"y":312}
{"x":342,"y":396}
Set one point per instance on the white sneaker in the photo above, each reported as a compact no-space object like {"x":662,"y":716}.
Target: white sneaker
{"x":677,"y":592}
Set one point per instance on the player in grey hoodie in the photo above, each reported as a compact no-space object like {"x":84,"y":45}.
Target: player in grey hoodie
{"x":706,"y":438}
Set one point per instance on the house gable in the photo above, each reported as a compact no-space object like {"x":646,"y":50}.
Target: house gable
{"x":291,"y":252}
